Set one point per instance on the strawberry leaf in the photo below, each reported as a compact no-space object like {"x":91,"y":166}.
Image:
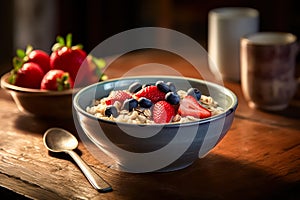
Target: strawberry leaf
{"x":100,"y":63}
{"x":56,"y":46}
{"x":60,"y":40}
{"x":69,"y":40}
{"x":17,"y":63}
{"x":29,"y":49}
{"x":12,"y":78}
{"x":20,"y":53}
{"x":103,"y":77}
{"x":77,"y":46}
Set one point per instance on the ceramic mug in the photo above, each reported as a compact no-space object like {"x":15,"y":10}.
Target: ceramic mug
{"x":225,"y":28}
{"x":268,"y":62}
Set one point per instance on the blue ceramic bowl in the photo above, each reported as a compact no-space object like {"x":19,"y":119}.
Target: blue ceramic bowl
{"x":156,"y":147}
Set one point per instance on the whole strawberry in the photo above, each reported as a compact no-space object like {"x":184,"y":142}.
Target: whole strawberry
{"x":41,"y":58}
{"x":56,"y":80}
{"x":29,"y":75}
{"x":68,"y":58}
{"x":163,"y":112}
{"x":36,"y":56}
{"x":91,"y":71}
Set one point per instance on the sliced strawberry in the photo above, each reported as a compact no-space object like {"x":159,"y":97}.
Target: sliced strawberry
{"x":151,"y":92}
{"x":57,"y":80}
{"x":119,"y":95}
{"x":189,"y":106}
{"x":163,"y":112}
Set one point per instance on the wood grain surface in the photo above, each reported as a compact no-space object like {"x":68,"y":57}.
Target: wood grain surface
{"x":259,"y":158}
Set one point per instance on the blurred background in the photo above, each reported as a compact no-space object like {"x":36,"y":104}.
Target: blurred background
{"x":38,"y":22}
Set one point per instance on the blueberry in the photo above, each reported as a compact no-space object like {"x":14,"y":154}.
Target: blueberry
{"x":173,"y":98}
{"x":111,"y":110}
{"x":171,"y":86}
{"x":162,"y":86}
{"x":135,"y":87}
{"x":194,"y":92}
{"x":144,"y":102}
{"x":130,"y":104}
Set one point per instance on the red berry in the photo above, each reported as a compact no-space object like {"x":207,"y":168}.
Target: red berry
{"x":119,"y":95}
{"x":41,"y":58}
{"x":69,"y":58}
{"x":163,"y":112}
{"x":29,"y":75}
{"x":189,"y":106}
{"x":91,"y":71}
{"x":152,"y":93}
{"x":56,"y":80}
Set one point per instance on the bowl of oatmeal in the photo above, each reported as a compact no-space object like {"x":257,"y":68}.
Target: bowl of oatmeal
{"x":154,"y":123}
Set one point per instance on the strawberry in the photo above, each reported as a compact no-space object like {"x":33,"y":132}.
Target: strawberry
{"x":152,"y":93}
{"x":119,"y":95}
{"x":68,"y":58}
{"x":94,"y":72}
{"x":37,"y":56}
{"x":189,"y":106}
{"x":163,"y":112}
{"x":57,"y":80}
{"x":29,"y":75}
{"x":41,"y":58}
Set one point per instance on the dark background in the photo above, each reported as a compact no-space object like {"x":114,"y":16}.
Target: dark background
{"x":92,"y":21}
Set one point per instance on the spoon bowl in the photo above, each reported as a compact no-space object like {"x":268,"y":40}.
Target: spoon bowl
{"x":60,"y":140}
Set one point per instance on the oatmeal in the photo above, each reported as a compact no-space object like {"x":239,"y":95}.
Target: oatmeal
{"x":154,"y":104}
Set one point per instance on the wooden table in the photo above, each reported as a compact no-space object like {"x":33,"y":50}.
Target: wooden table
{"x":259,"y":158}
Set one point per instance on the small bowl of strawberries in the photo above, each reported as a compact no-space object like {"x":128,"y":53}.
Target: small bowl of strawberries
{"x":42,"y":84}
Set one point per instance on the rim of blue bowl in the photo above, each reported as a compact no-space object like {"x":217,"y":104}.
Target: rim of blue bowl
{"x":227,"y":112}
{"x":7,"y":86}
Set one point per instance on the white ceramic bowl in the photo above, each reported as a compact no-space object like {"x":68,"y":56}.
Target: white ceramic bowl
{"x":148,"y":148}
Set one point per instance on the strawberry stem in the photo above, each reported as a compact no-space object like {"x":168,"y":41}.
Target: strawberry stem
{"x":63,"y":82}
{"x":18,"y":61}
{"x":61,"y":42}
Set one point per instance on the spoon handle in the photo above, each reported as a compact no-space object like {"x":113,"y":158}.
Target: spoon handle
{"x":96,"y":181}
